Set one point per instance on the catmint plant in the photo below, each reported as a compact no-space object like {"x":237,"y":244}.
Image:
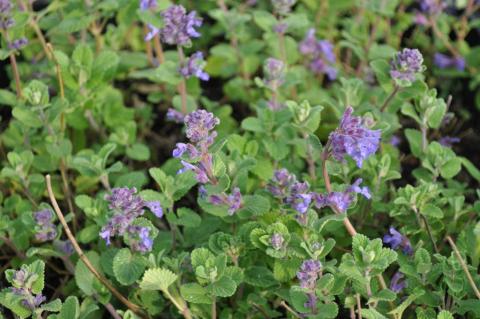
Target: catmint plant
{"x":239,"y":159}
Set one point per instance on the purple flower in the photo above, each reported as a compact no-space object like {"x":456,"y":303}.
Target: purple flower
{"x":283,"y":7}
{"x":140,"y":238}
{"x":277,"y":241}
{"x":32,"y":302}
{"x":175,"y":116}
{"x":448,"y":141}
{"x":444,"y":62}
{"x":299,"y":197}
{"x":64,"y":246}
{"x":354,"y":139}
{"x":406,"y":64}
{"x":398,"y":241}
{"x":199,"y":124}
{"x":18,"y":43}
{"x":152,"y":32}
{"x":127,"y":206}
{"x":125,"y":200}
{"x":308,"y":273}
{"x":432,"y":7}
{"x":341,"y":201}
{"x":194,"y":67}
{"x":148,"y":4}
{"x":45,"y":229}
{"x":233,"y":201}
{"x":281,"y":182}
{"x":274,"y":72}
{"x":420,"y":19}
{"x":179,"y":150}
{"x":280,"y":28}
{"x":320,"y":53}
{"x":6,"y":20}
{"x":155,"y":207}
{"x":397,"y":284}
{"x":179,"y":26}
{"x":395,"y":140}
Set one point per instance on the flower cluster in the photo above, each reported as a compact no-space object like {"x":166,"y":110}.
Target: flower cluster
{"x":194,"y":67}
{"x":274,"y":73}
{"x":45,"y":229}
{"x":433,"y":7}
{"x":320,"y":54}
{"x":406,"y":65}
{"x":179,"y":26}
{"x":308,"y":275}
{"x":6,"y":20}
{"x":448,"y":141}
{"x":444,"y":62}
{"x":281,"y":182}
{"x":353,"y":138}
{"x":175,"y":116}
{"x":127,"y":206}
{"x":341,"y":201}
{"x":398,"y":241}
{"x":285,"y":186}
{"x":18,"y":43}
{"x":22,"y":281}
{"x":233,"y":201}
{"x":283,"y":7}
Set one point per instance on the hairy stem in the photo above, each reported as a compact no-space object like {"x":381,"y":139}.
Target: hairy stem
{"x":182,"y":87}
{"x":389,"y":99}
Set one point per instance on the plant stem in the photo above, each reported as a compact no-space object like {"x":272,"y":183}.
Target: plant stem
{"x":182,"y":87}
{"x":396,"y":88}
{"x":158,"y":49}
{"x":464,"y":266}
{"x":289,"y":309}
{"x":359,"y":306}
{"x":214,"y":309}
{"x":182,"y":308}
{"x":429,"y":232}
{"x":136,"y":309}
{"x":16,"y":75}
{"x":310,"y":160}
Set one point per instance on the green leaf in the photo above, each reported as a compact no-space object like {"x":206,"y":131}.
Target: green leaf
{"x":157,"y":279}
{"x":139,"y":152}
{"x":223,"y":287}
{"x":200,"y":256}
{"x":70,"y":309}
{"x":451,"y":168}
{"x":431,"y":210}
{"x":259,"y":277}
{"x":327,"y":311}
{"x":444,"y":314}
{"x":84,"y":278}
{"x":188,"y":218}
{"x":414,"y":138}
{"x":52,"y":306}
{"x":417,"y":292}
{"x":252,"y":124}
{"x":127,"y":267}
{"x":472,"y":170}
{"x":194,"y":293}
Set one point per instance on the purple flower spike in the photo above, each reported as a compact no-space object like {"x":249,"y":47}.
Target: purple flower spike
{"x":6,"y":20}
{"x":354,"y":139}
{"x":274,"y":72}
{"x":179,"y":26}
{"x":320,"y":53}
{"x":341,"y":201}
{"x":199,"y":124}
{"x":406,"y":64}
{"x":152,"y":32}
{"x":140,"y":238}
{"x":397,"y":284}
{"x":179,"y":150}
{"x":45,"y":229}
{"x":308,"y":273}
{"x":445,"y":62}
{"x":194,"y":67}
{"x":398,"y":241}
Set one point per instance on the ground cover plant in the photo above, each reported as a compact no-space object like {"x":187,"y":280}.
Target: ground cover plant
{"x":240,"y":159}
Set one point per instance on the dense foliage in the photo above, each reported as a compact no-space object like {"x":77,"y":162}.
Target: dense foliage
{"x":240,"y":159}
